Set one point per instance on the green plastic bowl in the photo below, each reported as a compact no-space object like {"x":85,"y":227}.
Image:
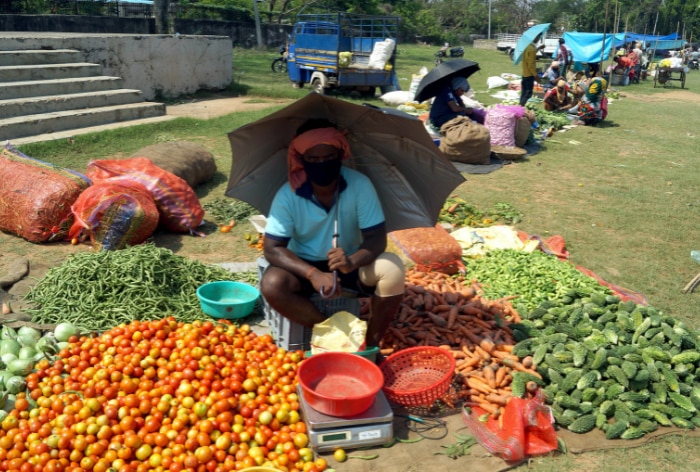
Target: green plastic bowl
{"x":227,"y":299}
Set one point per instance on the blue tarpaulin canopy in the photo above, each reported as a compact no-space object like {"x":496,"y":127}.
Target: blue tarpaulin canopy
{"x":669,"y":41}
{"x":587,"y":47}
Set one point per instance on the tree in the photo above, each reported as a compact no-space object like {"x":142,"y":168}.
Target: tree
{"x":160,"y":10}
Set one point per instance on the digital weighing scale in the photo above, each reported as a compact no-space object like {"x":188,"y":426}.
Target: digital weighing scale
{"x":374,"y":427}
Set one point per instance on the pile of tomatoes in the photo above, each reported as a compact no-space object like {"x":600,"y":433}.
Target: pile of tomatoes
{"x":159,"y":396}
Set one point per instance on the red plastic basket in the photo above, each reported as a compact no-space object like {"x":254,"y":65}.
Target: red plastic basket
{"x":417,"y":376}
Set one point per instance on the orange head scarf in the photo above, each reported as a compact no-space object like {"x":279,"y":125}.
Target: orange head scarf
{"x":304,"y":142}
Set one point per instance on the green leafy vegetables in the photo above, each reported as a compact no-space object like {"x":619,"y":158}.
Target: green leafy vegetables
{"x":224,"y":209}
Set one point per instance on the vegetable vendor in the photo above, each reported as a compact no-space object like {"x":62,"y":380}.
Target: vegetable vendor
{"x":551,"y":76}
{"x":594,"y":106}
{"x":624,"y":66}
{"x":323,"y":205}
{"x":558,"y":99}
{"x":579,"y":91}
{"x":448,"y":104}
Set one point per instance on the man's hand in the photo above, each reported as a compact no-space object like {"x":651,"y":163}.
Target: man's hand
{"x":338,"y":260}
{"x":323,"y":283}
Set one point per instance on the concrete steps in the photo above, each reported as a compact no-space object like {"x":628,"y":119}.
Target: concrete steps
{"x":46,"y":91}
{"x":54,"y":103}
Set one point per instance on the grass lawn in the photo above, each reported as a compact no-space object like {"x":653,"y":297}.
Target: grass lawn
{"x":624,"y":196}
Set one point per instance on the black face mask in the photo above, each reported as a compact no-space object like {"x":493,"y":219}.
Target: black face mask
{"x":323,"y":173}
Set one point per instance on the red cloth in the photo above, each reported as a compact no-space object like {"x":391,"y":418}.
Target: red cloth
{"x":306,"y":141}
{"x":624,"y":61}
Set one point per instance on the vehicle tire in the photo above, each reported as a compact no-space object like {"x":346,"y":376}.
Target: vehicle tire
{"x":317,"y":87}
{"x":279,"y":65}
{"x":369,"y":92}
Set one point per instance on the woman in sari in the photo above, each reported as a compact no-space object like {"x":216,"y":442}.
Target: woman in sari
{"x":558,"y":99}
{"x":578,"y":91}
{"x":594,"y":106}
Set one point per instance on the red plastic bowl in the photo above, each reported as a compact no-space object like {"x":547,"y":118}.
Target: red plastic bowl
{"x":339,"y":383}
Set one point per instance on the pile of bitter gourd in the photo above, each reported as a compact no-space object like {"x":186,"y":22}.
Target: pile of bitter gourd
{"x":615,"y":365}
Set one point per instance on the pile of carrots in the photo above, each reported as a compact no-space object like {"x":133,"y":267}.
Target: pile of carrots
{"x":448,"y":312}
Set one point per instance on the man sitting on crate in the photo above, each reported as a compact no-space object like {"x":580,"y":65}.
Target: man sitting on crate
{"x":324,"y":205}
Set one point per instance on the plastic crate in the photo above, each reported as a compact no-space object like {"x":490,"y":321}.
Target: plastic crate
{"x":293,"y":336}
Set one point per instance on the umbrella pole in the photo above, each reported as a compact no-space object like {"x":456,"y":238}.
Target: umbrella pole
{"x":323,"y":293}
{"x":605,"y":28}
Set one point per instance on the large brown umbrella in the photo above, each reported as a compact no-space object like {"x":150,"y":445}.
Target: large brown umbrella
{"x":412,"y":177}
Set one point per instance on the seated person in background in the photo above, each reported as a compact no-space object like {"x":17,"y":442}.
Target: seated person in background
{"x":594,"y":106}
{"x":623,"y":65}
{"x":448,"y":104}
{"x":593,"y":69}
{"x":551,"y":76}
{"x":320,"y":194}
{"x":558,"y":99}
{"x":579,"y":91}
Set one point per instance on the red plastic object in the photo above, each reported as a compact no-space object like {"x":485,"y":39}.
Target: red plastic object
{"x":339,"y":383}
{"x":417,"y":376}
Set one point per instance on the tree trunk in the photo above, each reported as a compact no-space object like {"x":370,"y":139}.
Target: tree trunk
{"x":160,"y":8}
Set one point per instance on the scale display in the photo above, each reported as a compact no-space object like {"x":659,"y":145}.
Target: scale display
{"x":374,"y":427}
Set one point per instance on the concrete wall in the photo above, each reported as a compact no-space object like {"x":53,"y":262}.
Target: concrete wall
{"x":485,"y":44}
{"x":162,"y":66}
{"x":242,"y":35}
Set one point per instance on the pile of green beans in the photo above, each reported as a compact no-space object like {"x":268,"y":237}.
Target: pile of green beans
{"x":532,"y":277}
{"x":99,"y":290}
{"x":225,"y":209}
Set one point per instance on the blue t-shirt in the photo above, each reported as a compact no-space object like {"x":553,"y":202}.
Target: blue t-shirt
{"x":308,"y":228}
{"x":440,"y":111}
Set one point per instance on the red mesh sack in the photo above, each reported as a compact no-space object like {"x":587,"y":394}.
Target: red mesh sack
{"x":525,"y":429}
{"x":430,"y":248}
{"x":114,"y":213}
{"x":179,"y":207}
{"x":36,"y":196}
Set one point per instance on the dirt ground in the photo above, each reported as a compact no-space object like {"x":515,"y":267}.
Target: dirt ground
{"x":212,"y":108}
{"x":669,"y":95}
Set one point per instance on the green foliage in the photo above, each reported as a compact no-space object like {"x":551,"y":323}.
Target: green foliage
{"x":214,"y":12}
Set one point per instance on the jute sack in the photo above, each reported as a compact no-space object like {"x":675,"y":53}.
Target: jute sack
{"x":189,"y":161}
{"x":522,"y":131}
{"x":465,"y":141}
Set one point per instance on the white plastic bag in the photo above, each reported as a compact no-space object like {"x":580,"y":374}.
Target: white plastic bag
{"x":397,"y":97}
{"x":381,"y":53}
{"x":496,"y":82}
